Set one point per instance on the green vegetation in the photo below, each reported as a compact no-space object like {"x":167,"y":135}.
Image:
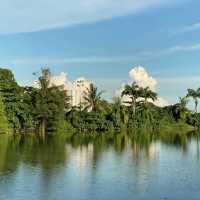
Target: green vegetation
{"x":47,"y":109}
{"x":50,"y":104}
{"x":92,"y":98}
{"x":4,"y":128}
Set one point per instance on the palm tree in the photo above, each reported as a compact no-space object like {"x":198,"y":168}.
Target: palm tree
{"x":146,"y":93}
{"x":133,"y":92}
{"x":92,"y":98}
{"x":147,"y":117}
{"x":41,"y":99}
{"x":181,"y":107}
{"x":50,"y":103}
{"x":195,"y":94}
{"x":119,"y":111}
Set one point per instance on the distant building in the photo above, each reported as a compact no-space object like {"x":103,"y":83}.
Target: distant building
{"x":80,"y":86}
{"x":74,"y":89}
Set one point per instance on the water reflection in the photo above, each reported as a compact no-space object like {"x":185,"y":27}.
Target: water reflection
{"x":92,"y":163}
{"x":85,"y":150}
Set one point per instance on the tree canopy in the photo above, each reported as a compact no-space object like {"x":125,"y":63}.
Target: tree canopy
{"x":47,"y":108}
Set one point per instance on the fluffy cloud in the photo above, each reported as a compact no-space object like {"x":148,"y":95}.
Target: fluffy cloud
{"x":34,"y":15}
{"x":161,"y":102}
{"x":61,"y":80}
{"x":137,"y":74}
{"x":58,"y":80}
{"x":143,"y":79}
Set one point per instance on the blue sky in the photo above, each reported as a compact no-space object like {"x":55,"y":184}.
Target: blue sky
{"x":103,"y":40}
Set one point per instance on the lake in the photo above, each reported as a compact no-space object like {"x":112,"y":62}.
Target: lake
{"x":103,"y":167}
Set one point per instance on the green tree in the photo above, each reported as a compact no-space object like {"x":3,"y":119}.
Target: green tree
{"x":92,"y":98}
{"x":181,"y":108}
{"x":195,"y":95}
{"x":50,"y":103}
{"x":119,"y":111}
{"x":4,"y":127}
{"x":27,"y":106}
{"x":133,"y":92}
{"x":146,"y":93}
{"x":12,"y":95}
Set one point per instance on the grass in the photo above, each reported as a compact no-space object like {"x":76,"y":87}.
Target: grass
{"x":176,"y":127}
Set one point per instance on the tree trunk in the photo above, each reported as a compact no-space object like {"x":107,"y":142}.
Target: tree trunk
{"x":196,"y":105}
{"x":134,"y":108}
{"x":42,"y":127}
{"x":145,"y":101}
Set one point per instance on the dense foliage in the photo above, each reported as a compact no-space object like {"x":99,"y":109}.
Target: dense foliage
{"x":40,"y":109}
{"x":46,"y":108}
{"x":3,"y":119}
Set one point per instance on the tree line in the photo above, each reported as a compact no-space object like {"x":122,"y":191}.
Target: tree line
{"x":47,"y":109}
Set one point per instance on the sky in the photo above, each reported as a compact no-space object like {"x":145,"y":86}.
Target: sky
{"x":103,"y":40}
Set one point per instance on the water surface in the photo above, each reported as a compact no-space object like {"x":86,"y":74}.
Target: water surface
{"x":140,"y":167}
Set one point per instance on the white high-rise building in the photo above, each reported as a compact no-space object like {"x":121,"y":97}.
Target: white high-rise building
{"x":80,"y":86}
{"x":76,"y":90}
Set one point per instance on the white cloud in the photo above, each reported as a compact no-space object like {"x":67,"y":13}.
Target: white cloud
{"x":141,"y":77}
{"x":91,"y":59}
{"x":189,"y":28}
{"x":161,"y":102}
{"x":58,"y":80}
{"x":170,"y":50}
{"x":61,"y":80}
{"x":183,"y":48}
{"x":193,"y":27}
{"x":33,"y":15}
{"x":139,"y":56}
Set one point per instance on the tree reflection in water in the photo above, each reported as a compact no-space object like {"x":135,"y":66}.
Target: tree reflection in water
{"x":56,"y":150}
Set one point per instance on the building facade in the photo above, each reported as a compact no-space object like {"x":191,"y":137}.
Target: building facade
{"x":75,"y":90}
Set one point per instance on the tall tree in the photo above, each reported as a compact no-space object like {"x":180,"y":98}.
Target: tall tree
{"x":181,"y":108}
{"x":92,"y":98}
{"x":50,"y":103}
{"x":195,"y":95}
{"x":119,"y":111}
{"x":12,"y":95}
{"x":4,"y":127}
{"x":147,"y":93}
{"x":132,"y":92}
